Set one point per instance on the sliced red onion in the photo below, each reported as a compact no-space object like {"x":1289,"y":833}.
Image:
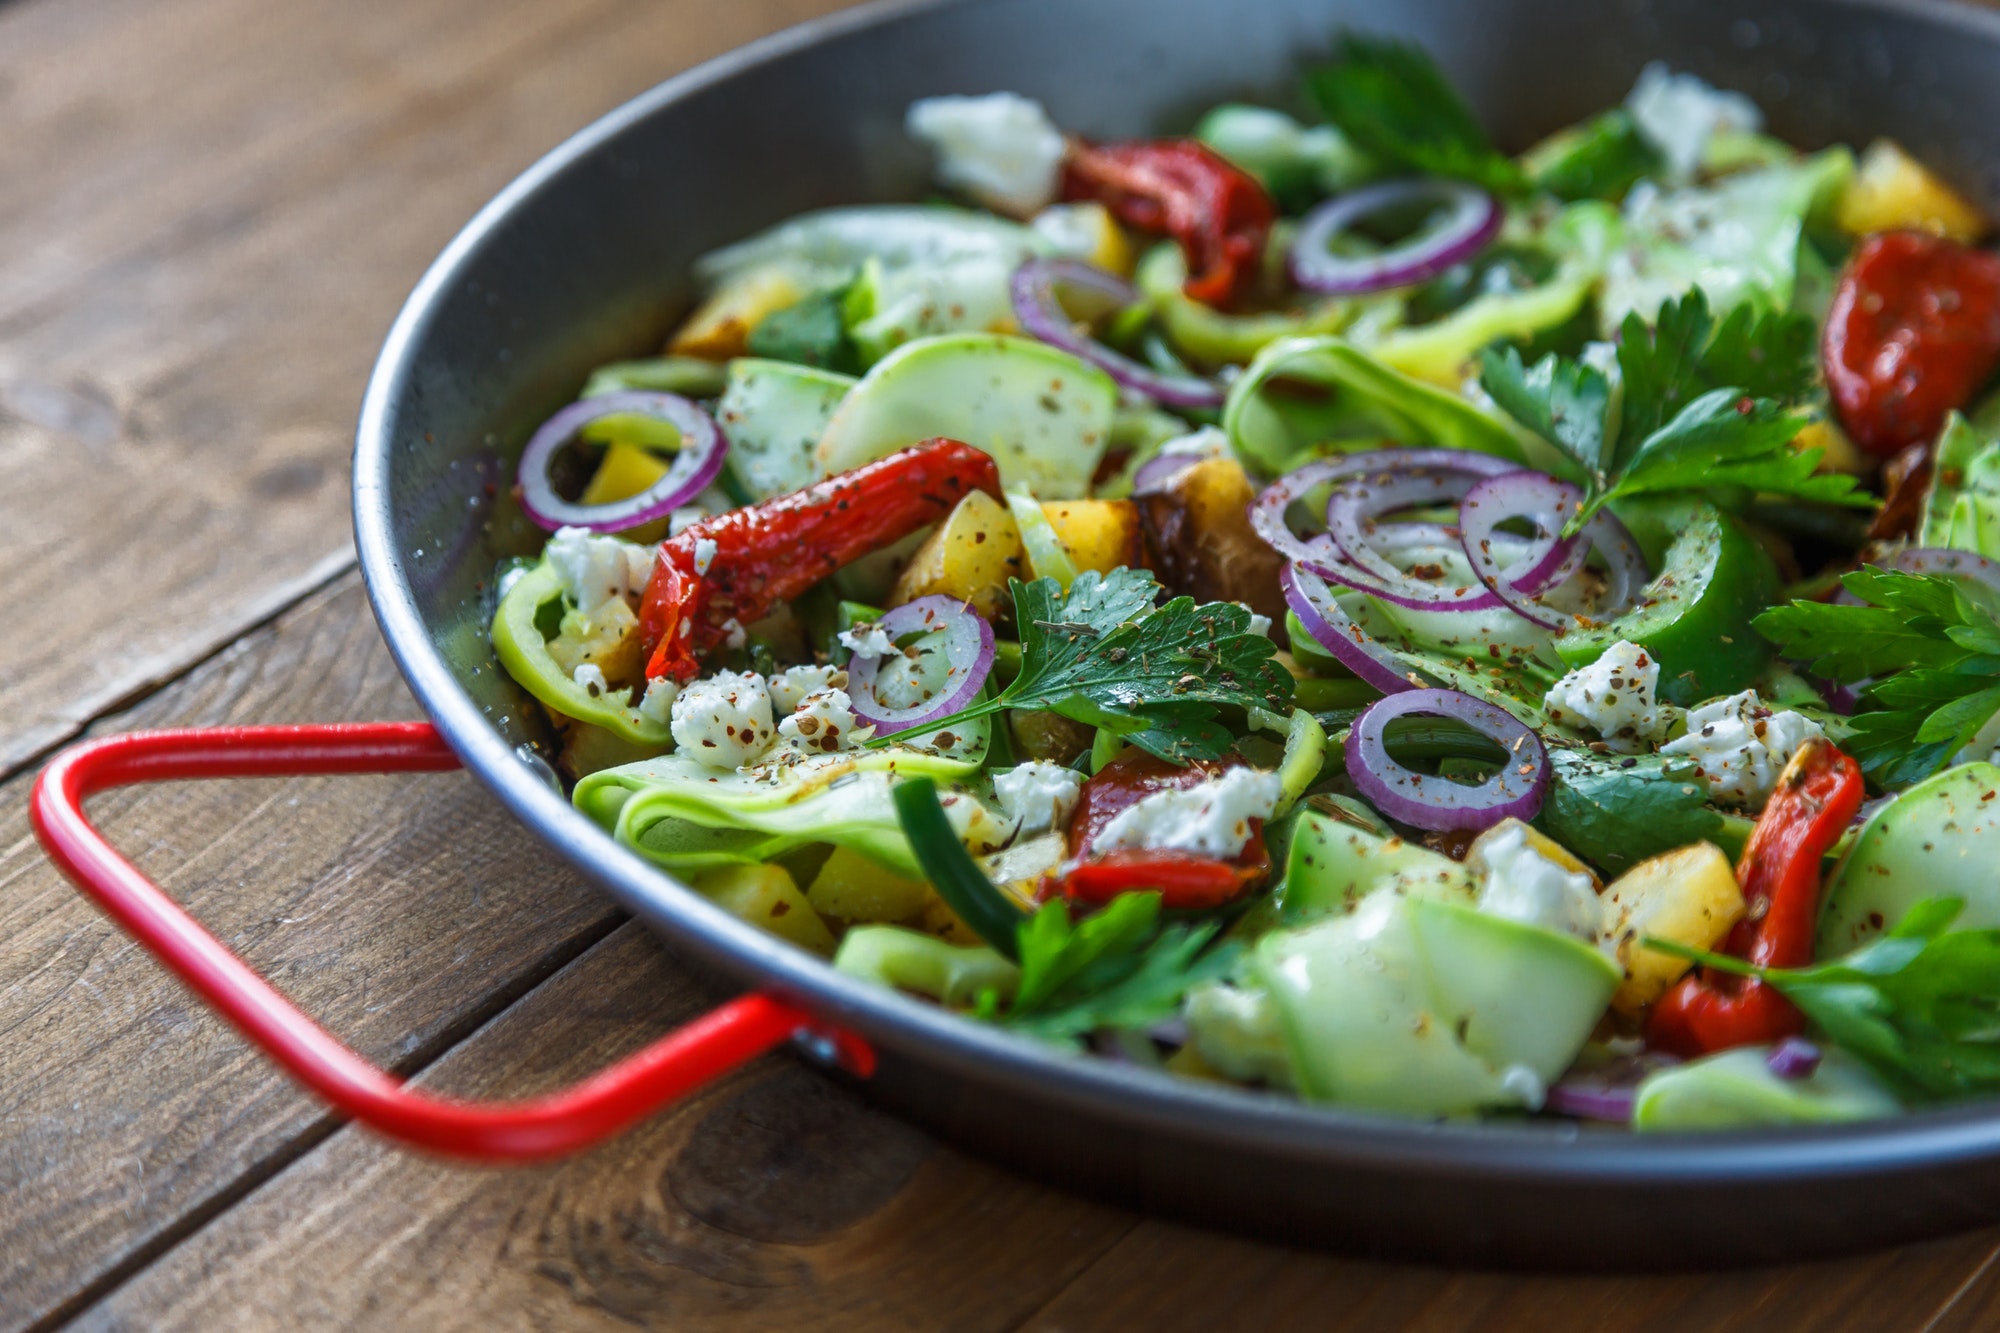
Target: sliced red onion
{"x":1589,"y":1099}
{"x":1332,"y":629}
{"x":968,"y":649}
{"x":1354,"y":511}
{"x":1933,"y":560}
{"x":1268,"y":513}
{"x":694,"y":469}
{"x":1435,"y":803}
{"x":1473,"y":220}
{"x":1794,"y":1057}
{"x":1039,"y":308}
{"x":1543,"y":501}
{"x":1154,"y":474}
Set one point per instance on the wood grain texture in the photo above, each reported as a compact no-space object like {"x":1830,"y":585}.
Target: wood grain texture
{"x":212,"y":210}
{"x":398,"y":909}
{"x":775,"y":1200}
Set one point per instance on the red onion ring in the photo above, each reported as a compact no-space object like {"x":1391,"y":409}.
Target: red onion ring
{"x":1547,"y":503}
{"x":1267,"y":513}
{"x":1041,"y":313}
{"x":1943,"y":560}
{"x":1474,"y":220}
{"x":1332,"y":629}
{"x":1439,"y":804}
{"x":1353,"y":512}
{"x":694,"y":469}
{"x":968,"y":649}
{"x":1794,"y":1057}
{"x":1582,"y":1100}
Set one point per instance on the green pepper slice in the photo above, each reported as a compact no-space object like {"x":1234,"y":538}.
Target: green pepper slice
{"x":519,"y":643}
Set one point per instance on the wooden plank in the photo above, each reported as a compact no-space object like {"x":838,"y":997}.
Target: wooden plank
{"x":777,"y":1200}
{"x":213,"y":210}
{"x":1221,"y":1281}
{"x":402,"y":910}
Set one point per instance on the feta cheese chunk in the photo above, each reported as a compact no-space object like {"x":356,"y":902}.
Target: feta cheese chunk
{"x":1740,"y":745}
{"x":704,"y":554}
{"x":657,"y":704}
{"x":1680,"y":113}
{"x":1038,"y":796}
{"x":1613,"y":697}
{"x":823,"y":722}
{"x":1002,"y":149}
{"x":1521,"y":884}
{"x":590,"y":678}
{"x":595,"y":569}
{"x":866,"y":640}
{"x":724,"y":720}
{"x":790,"y":686}
{"x":1211,"y":819}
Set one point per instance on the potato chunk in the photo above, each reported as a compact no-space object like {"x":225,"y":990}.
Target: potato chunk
{"x":1098,"y":534}
{"x":1892,"y":190}
{"x":1198,"y":532}
{"x":1689,"y":896}
{"x":970,"y":556}
{"x":853,"y":888}
{"x":720,"y":326}
{"x":766,"y":897}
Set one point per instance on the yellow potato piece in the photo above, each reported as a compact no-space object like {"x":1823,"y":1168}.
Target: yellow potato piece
{"x":720,"y":325}
{"x":853,"y":888}
{"x":1891,"y":190}
{"x":628,"y":469}
{"x":1689,"y":896}
{"x":765,"y":896}
{"x":1098,"y":534}
{"x":1838,"y":453}
{"x":970,"y":556}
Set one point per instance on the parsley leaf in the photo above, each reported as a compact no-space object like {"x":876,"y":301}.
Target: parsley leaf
{"x":1389,"y":98}
{"x":1102,"y":655}
{"x":1600,"y":159}
{"x":1115,"y":969}
{"x":812,"y":332}
{"x":1615,"y":811}
{"x":1697,"y":407}
{"x":1931,"y":646}
{"x":1919,"y":1005}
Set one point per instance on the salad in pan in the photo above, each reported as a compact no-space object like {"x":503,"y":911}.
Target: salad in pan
{"x":1330,"y":607}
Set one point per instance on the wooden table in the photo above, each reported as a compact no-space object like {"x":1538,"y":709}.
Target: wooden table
{"x":209,"y":212}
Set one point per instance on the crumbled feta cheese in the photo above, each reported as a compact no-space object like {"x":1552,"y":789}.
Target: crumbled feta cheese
{"x":866,"y":640}
{"x":1739,"y":746}
{"x":1211,"y":819}
{"x":590,"y":678}
{"x":904,"y":680}
{"x":1002,"y":149}
{"x":790,"y":686}
{"x":976,"y":826}
{"x":1259,"y":624}
{"x":1680,"y":113}
{"x":733,"y":633}
{"x":684,"y":518}
{"x":823,"y":722}
{"x":1613,"y":697}
{"x":595,"y":569}
{"x":724,"y":720}
{"x":1523,"y":885}
{"x":657,"y":704}
{"x":704,"y":554}
{"x":1038,"y":796}
{"x":1525,"y":1085}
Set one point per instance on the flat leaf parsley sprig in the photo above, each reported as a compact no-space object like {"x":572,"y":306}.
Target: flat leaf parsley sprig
{"x":1928,"y":647}
{"x":1693,"y":406}
{"x":1102,"y":655}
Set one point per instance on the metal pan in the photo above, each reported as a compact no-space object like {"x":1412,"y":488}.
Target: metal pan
{"x":584,"y":258}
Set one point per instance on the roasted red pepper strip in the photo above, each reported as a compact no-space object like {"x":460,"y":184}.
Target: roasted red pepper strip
{"x":1218,"y":213}
{"x":1185,"y":880}
{"x":1913,"y":331}
{"x":772,"y":552}
{"x":1816,"y":799}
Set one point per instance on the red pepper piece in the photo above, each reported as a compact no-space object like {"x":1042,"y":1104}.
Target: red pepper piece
{"x":1185,"y":880}
{"x":1913,"y":331}
{"x":1218,"y":213}
{"x":1817,"y":797}
{"x":771,"y":552}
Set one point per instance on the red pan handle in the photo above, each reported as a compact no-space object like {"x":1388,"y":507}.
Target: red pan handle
{"x":538,"y":1127}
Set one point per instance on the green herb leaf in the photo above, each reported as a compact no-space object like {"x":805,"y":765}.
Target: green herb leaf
{"x":1115,"y":969}
{"x":1616,"y":811}
{"x":810,"y":333}
{"x":1600,"y":159}
{"x":1102,"y":655}
{"x":1920,"y":1005}
{"x":1683,"y":355}
{"x":1391,"y":99}
{"x":1926,"y":641}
